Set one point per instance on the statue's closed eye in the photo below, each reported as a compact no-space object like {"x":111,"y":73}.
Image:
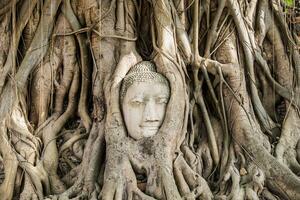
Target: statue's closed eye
{"x":136,"y":101}
{"x":162,"y":100}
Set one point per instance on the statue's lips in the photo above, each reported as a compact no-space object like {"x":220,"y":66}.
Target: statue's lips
{"x":150,"y":127}
{"x":154,"y":127}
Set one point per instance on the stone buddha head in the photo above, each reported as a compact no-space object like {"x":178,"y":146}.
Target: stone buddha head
{"x":144,"y":97}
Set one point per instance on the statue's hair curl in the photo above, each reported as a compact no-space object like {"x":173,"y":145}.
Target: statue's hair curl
{"x":143,"y":71}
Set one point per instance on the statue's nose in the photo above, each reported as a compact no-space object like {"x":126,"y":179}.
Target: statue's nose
{"x":150,"y":112}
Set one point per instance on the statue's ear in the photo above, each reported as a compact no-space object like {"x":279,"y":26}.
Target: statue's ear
{"x":114,"y":117}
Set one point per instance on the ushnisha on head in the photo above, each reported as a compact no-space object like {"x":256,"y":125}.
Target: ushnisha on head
{"x":144,"y":97}
{"x":142,"y":72}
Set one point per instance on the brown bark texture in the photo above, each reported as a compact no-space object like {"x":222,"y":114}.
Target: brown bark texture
{"x":232,"y":125}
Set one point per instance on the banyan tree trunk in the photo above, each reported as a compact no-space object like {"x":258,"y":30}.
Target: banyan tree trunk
{"x":232,"y":125}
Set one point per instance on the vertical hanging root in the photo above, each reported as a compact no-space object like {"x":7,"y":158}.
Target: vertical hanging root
{"x":246,"y":42}
{"x":85,"y":69}
{"x":10,"y":163}
{"x":23,"y":18}
{"x":50,"y":133}
{"x":69,"y":61}
{"x":181,"y":37}
{"x":212,"y":35}
{"x":27,"y":148}
{"x":40,"y":94}
{"x":69,"y":84}
{"x":285,"y":149}
{"x":58,"y":119}
{"x":51,"y":130}
{"x":4,"y":41}
{"x":120,"y":10}
{"x":204,"y":154}
{"x":31,"y":26}
{"x":30,"y":60}
{"x":44,"y":78}
{"x":211,"y":135}
{"x":198,"y":94}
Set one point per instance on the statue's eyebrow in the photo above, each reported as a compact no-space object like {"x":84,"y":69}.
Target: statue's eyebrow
{"x":163,"y":96}
{"x":137,"y":97}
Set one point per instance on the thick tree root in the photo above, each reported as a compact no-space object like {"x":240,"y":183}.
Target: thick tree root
{"x":286,"y":148}
{"x":10,"y":165}
{"x":187,"y":178}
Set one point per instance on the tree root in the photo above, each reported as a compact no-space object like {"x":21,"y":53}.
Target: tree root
{"x":85,"y":72}
{"x":24,"y":15}
{"x":29,"y":192}
{"x":115,"y":188}
{"x":119,"y":180}
{"x":71,"y":142}
{"x":174,"y":164}
{"x":37,"y":51}
{"x":286,"y":148}
{"x":206,"y":160}
{"x":86,"y":184}
{"x":186,"y":178}
{"x":245,"y":38}
{"x":10,"y":165}
{"x":4,"y":41}
{"x":50,"y":156}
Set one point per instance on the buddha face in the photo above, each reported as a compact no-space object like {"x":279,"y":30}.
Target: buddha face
{"x":144,"y":107}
